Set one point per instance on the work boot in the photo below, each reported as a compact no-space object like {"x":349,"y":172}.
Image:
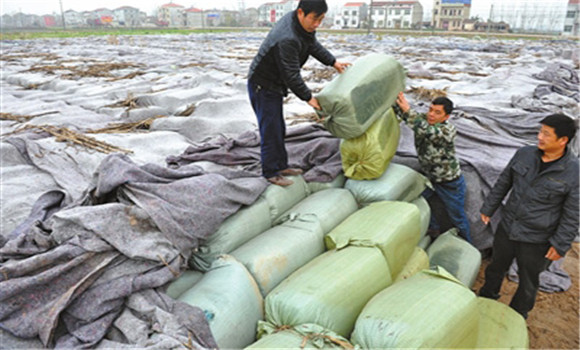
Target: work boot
{"x":291,"y":172}
{"x":280,"y":180}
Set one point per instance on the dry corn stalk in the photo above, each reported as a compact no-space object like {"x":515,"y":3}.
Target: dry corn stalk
{"x":118,"y":128}
{"x":22,"y":118}
{"x":130,"y":102}
{"x":74,"y":138}
{"x":428,"y":94}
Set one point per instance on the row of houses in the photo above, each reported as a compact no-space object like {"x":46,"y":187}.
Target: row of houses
{"x":451,"y":15}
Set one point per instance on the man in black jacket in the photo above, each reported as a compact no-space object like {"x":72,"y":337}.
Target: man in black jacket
{"x":540,"y":219}
{"x":274,"y":70}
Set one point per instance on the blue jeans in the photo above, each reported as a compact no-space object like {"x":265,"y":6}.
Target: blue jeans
{"x":452,"y":194}
{"x":267,"y":105}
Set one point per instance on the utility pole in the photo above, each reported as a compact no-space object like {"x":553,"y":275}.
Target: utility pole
{"x":62,"y":15}
{"x":490,"y":18}
{"x":370,"y":18}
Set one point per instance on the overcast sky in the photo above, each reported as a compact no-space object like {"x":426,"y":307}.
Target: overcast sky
{"x":502,"y":8}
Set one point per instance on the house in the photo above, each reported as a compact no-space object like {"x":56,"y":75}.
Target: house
{"x":271,"y":12}
{"x":127,"y":16}
{"x":48,"y":21}
{"x":352,"y":15}
{"x":194,"y":18}
{"x":74,"y":19}
{"x":450,"y":14}
{"x":404,"y":14}
{"x":172,"y":15}
{"x":496,"y":27}
{"x":572,"y":20}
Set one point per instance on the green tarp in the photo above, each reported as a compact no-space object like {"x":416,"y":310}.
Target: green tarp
{"x":353,"y":100}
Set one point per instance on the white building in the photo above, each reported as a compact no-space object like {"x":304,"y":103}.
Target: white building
{"x":352,"y":15}
{"x":572,"y":21}
{"x":194,"y":18}
{"x":450,"y":14}
{"x":271,"y":12}
{"x":396,"y":14}
{"x":127,"y":16}
{"x":74,"y":19}
{"x":172,"y":14}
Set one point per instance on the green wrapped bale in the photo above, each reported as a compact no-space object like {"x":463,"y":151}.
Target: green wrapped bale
{"x":398,"y":183}
{"x":429,"y":310}
{"x":393,"y":227}
{"x":276,"y":253}
{"x":280,"y":199}
{"x":330,"y":291}
{"x":231,"y":301}
{"x":500,"y":327}
{"x":306,"y":336}
{"x":353,"y":100}
{"x":418,"y":262}
{"x":330,"y":206}
{"x":184,"y":282}
{"x":367,"y":157}
{"x":236,"y":230}
{"x":338,"y":182}
{"x":425,"y":211}
{"x":456,"y":255}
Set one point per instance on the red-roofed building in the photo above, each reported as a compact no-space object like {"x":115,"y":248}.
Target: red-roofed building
{"x":352,"y":15}
{"x":172,"y":14}
{"x":194,"y":17}
{"x":572,"y":20}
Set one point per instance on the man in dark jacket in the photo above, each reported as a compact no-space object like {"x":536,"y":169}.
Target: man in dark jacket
{"x":274,"y":70}
{"x":540,"y":219}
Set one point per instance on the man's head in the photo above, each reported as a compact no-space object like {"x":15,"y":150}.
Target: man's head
{"x":440,"y":110}
{"x":556,"y":131}
{"x":311,"y":13}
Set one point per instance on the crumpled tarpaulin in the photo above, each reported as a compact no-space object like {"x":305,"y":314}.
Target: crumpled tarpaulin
{"x":309,"y":146}
{"x":75,"y":276}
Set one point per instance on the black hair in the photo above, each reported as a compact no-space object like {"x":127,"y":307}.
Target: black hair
{"x":319,"y":7}
{"x":445,"y":102}
{"x":562,"y":124}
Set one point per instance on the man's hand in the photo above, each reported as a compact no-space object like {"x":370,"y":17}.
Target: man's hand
{"x":314,"y":103}
{"x":341,"y":66}
{"x":485,"y":219}
{"x":552,"y":254}
{"x":403,"y":103}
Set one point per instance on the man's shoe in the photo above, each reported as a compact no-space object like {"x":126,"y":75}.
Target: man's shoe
{"x":280,"y":180}
{"x":291,"y":172}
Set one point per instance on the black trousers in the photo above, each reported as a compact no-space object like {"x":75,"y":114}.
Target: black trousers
{"x":531,"y":261}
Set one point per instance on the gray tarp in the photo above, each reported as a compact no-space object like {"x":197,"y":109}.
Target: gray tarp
{"x":67,"y":276}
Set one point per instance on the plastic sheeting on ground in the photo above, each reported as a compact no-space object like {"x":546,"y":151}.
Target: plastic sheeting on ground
{"x":393,"y":227}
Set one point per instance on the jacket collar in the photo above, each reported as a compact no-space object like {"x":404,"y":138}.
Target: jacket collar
{"x":562,"y":162}
{"x":299,"y":29}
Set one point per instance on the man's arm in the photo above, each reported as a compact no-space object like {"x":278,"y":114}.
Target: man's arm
{"x":402,"y":109}
{"x":286,"y":54}
{"x":568,"y":228}
{"x":498,"y":192}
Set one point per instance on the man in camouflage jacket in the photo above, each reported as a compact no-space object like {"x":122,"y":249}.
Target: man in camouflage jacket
{"x":435,"y":145}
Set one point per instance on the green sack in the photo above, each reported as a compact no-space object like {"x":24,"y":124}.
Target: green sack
{"x":280,"y":199}
{"x":182,"y":283}
{"x":425,"y":242}
{"x":338,"y":182}
{"x":398,"y":183}
{"x":429,"y":310}
{"x":353,"y":100}
{"x":231,"y":301}
{"x":456,"y":255}
{"x":393,"y":227}
{"x":276,"y":253}
{"x":305,"y":336}
{"x":425,"y":211}
{"x":237,"y":229}
{"x":418,"y":261}
{"x":330,"y":291}
{"x":366,"y":157}
{"x":500,"y":326}
{"x":330,"y":206}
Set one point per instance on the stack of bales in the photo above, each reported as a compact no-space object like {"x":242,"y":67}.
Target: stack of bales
{"x":331,"y":265}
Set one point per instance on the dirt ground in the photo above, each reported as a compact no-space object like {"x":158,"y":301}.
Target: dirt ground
{"x":554,"y":323}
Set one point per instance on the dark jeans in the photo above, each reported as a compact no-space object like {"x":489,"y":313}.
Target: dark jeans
{"x":452,"y":194}
{"x":267,"y":105}
{"x":531,"y":262}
